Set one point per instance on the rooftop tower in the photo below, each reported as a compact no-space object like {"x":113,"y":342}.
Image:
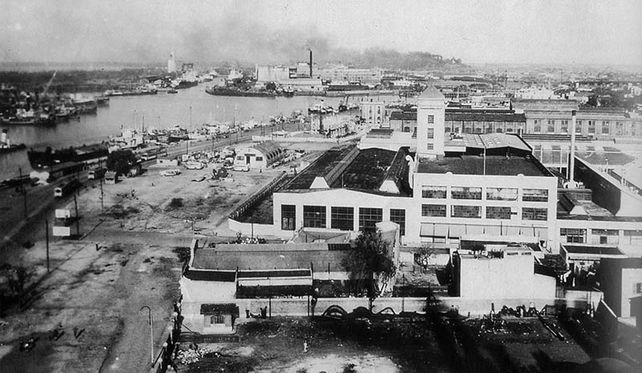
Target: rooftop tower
{"x":431,"y":116}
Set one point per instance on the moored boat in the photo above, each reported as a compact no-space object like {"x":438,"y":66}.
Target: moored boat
{"x":46,"y":158}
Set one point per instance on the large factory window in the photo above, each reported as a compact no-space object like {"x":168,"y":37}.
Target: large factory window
{"x":501,"y":194}
{"x":573,"y":235}
{"x":314,"y":216}
{"x":342,"y":218}
{"x":535,"y":195}
{"x":533,"y":213}
{"x":368,"y":217}
{"x":465,"y":211}
{"x":432,"y":191}
{"x":466,"y":192}
{"x":288,"y":217}
{"x":498,"y":212}
{"x":399,"y":216}
{"x":433,"y":210}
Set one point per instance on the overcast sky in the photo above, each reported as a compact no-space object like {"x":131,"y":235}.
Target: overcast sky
{"x":506,"y":31}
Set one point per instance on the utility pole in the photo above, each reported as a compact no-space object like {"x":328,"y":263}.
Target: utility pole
{"x":47,"y":241}
{"x":23,"y":191}
{"x":77,"y":217}
{"x":102,"y":197}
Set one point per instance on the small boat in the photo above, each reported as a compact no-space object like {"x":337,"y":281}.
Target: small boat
{"x":172,"y":91}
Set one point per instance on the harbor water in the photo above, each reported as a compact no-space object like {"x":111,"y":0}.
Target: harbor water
{"x":189,"y":108}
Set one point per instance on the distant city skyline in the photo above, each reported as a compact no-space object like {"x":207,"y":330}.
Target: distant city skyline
{"x":509,"y":31}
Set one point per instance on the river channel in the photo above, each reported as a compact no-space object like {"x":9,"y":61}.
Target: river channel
{"x":189,"y":108}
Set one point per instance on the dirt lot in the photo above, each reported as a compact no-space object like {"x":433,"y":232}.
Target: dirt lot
{"x":277,"y":345}
{"x":85,"y":315}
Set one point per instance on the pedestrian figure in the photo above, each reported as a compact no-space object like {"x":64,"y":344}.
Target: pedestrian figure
{"x":305,"y":346}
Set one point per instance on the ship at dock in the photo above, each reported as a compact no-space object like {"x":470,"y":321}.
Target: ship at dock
{"x":229,"y":91}
{"x":43,"y":159}
{"x":5,"y":144}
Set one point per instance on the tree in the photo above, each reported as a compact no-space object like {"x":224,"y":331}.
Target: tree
{"x":270,"y":86}
{"x":369,"y":263}
{"x":121,"y":161}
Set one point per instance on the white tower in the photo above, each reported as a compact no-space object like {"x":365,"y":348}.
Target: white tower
{"x":431,"y":116}
{"x":171,"y":64}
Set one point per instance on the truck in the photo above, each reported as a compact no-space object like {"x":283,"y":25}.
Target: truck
{"x":96,"y":174}
{"x":65,"y":189}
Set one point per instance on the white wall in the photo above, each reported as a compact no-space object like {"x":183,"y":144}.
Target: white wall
{"x":519,"y":182}
{"x":630,"y":277}
{"x":503,"y":278}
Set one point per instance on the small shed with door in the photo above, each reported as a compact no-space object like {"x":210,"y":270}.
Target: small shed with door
{"x":258,"y":156}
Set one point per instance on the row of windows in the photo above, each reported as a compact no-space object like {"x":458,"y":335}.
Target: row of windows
{"x":474,"y":212}
{"x":606,"y":129}
{"x":601,"y":236}
{"x":340,"y":217}
{"x":475,"y":193}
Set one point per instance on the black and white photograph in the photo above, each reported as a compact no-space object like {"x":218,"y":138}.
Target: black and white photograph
{"x":307,"y":186}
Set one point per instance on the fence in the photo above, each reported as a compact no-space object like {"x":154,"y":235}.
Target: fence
{"x":304,"y":306}
{"x":258,"y":196}
{"x":170,"y":336}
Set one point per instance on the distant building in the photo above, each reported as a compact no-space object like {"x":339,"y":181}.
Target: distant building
{"x":373,"y":112}
{"x":460,"y":121}
{"x":341,"y":74}
{"x":332,"y":125}
{"x":554,"y":117}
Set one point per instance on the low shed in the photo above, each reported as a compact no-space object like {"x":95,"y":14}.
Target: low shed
{"x":258,"y":156}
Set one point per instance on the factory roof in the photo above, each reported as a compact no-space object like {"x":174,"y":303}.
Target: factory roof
{"x":592,"y":249}
{"x":491,"y":141}
{"x":476,"y":165}
{"x":321,"y":166}
{"x":269,"y":259}
{"x":349,"y":167}
{"x":269,"y":148}
{"x":403,"y":115}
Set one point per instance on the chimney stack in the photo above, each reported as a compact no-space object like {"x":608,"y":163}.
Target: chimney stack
{"x":310,"y":63}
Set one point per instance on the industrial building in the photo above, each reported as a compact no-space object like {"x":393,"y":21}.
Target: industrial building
{"x":480,"y":184}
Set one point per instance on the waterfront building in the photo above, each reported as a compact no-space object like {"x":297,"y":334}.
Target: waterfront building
{"x":346,"y":74}
{"x":333,"y":125}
